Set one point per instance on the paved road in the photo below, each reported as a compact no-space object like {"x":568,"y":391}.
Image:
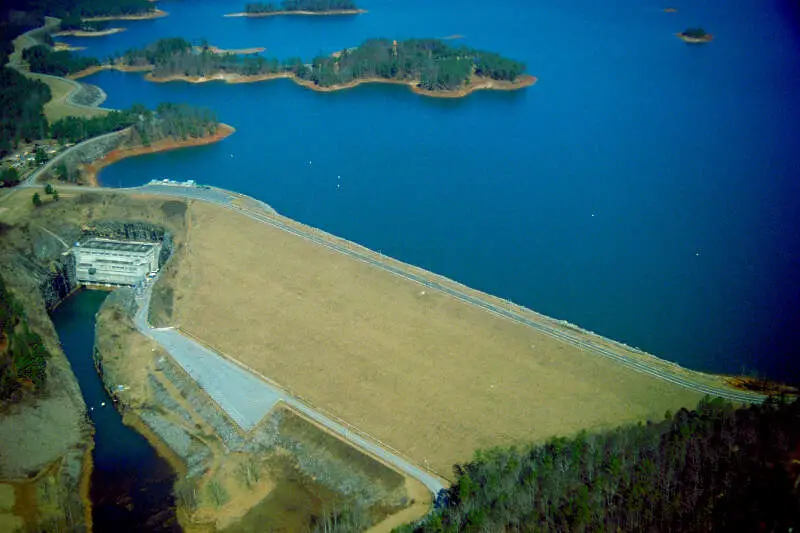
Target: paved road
{"x":247,"y":398}
{"x":30,"y":181}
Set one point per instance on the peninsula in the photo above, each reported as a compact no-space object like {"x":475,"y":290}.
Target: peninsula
{"x":299,"y":7}
{"x":86,"y":33}
{"x":428,"y":66}
{"x":695,"y":36}
{"x":147,"y":15}
{"x":137,"y":131}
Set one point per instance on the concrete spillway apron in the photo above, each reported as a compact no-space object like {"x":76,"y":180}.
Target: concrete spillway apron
{"x":247,"y":398}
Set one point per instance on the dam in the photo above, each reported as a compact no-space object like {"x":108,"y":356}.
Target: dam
{"x":114,"y":262}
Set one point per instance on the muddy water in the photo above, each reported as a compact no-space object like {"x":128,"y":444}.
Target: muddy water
{"x":131,"y":485}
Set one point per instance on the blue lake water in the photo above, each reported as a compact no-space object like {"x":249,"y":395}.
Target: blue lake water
{"x":644,"y":188}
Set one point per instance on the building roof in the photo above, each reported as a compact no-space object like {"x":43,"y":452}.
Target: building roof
{"x":117,"y":246}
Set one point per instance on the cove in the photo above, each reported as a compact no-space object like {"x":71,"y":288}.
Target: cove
{"x":131,"y":486}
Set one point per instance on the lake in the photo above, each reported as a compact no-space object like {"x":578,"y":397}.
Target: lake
{"x":644,"y":188}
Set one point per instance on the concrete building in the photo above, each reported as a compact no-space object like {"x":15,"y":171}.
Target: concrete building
{"x":105,"y":261}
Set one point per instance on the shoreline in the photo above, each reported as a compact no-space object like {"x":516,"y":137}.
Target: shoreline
{"x":81,"y":33}
{"x":333,"y":12}
{"x":64,"y":47}
{"x":94,"y":70}
{"x":155,"y":14}
{"x":476,"y":83}
{"x":236,"y":51}
{"x":91,"y":171}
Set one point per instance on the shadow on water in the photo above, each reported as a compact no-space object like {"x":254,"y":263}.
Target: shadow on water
{"x":131,"y":485}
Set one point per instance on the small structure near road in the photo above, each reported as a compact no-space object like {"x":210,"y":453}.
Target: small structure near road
{"x":114,"y":262}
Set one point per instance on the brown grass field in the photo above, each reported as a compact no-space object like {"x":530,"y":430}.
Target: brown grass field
{"x":431,"y":376}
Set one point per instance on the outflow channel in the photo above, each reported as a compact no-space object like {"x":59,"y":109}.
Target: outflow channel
{"x":131,"y":488}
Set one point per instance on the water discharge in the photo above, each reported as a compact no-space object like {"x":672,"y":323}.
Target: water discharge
{"x":131,"y":487}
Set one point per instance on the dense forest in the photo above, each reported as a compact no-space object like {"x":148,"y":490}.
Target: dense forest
{"x":43,"y":59}
{"x":168,"y":120}
{"x":717,"y":468}
{"x":430,"y":62}
{"x":318,"y":6}
{"x":22,"y":101}
{"x":23,"y":355}
{"x":73,"y":21}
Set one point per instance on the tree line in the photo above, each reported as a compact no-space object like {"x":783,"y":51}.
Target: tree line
{"x":717,"y":468}
{"x":23,"y":354}
{"x":432,"y":63}
{"x":22,"y":101}
{"x":317,"y":6}
{"x":178,"y":121}
{"x":44,"y":60}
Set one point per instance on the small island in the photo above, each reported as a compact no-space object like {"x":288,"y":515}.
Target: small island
{"x":695,"y":36}
{"x":428,"y":66}
{"x":299,"y":7}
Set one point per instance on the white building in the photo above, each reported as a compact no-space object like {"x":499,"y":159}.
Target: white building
{"x":105,"y":261}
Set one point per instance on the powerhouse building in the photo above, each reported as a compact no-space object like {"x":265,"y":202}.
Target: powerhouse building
{"x":106,"y":261}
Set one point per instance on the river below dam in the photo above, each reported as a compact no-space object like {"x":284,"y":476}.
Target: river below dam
{"x":644,"y":188}
{"x":131,"y":486}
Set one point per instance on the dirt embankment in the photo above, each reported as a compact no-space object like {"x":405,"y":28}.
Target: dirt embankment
{"x":91,"y":170}
{"x":387,"y":337}
{"x":45,"y":439}
{"x":229,"y":479}
{"x":333,"y":12}
{"x":761,"y":386}
{"x":66,"y":47}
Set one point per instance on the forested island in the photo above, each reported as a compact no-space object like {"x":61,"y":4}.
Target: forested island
{"x":299,"y":7}
{"x":717,"y":468}
{"x":429,"y":66}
